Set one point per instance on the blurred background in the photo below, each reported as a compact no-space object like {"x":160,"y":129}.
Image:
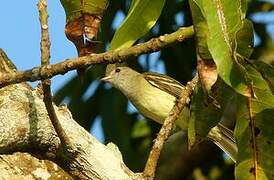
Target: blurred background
{"x":104,"y":111}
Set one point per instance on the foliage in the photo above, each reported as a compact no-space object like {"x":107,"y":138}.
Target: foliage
{"x":224,"y":38}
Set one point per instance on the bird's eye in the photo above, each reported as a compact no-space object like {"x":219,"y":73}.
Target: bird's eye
{"x":117,"y":70}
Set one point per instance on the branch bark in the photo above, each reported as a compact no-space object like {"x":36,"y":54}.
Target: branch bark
{"x":46,"y":83}
{"x":41,"y":73}
{"x":25,"y":126}
{"x":25,"y":166}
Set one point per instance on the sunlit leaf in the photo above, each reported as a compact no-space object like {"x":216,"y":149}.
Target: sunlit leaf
{"x":267,"y":72}
{"x":254,"y":131}
{"x":217,"y":29}
{"x":75,"y":9}
{"x":201,"y":31}
{"x":244,"y":38}
{"x":83,"y":17}
{"x":141,"y":18}
{"x":232,"y":40}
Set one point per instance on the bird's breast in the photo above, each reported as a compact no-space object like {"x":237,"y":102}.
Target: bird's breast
{"x":153,"y":103}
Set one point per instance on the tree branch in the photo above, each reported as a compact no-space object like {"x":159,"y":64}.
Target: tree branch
{"x":150,"y":168}
{"x":25,"y":166}
{"x":41,"y":73}
{"x":25,"y":126}
{"x":45,"y":57}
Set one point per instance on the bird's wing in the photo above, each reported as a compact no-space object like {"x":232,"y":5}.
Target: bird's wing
{"x":165,"y":83}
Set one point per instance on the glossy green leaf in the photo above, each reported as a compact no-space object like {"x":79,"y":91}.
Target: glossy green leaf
{"x":254,"y":131}
{"x":245,"y":39}
{"x":224,"y":19}
{"x":132,"y":5}
{"x":75,"y":8}
{"x":267,"y":72}
{"x":201,"y":31}
{"x":207,"y":111}
{"x":244,"y":34}
{"x":141,"y":18}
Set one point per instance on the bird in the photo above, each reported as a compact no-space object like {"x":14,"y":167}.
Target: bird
{"x":154,"y":95}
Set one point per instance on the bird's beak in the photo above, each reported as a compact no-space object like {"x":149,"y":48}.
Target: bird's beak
{"x":106,"y":79}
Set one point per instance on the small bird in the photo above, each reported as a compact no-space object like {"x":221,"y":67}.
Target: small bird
{"x":154,"y":96}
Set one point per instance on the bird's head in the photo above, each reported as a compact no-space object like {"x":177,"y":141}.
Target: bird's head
{"x":121,"y":77}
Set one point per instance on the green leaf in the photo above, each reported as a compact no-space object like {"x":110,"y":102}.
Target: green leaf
{"x":83,"y":19}
{"x":140,"y":129}
{"x":76,"y":8}
{"x":141,"y":18}
{"x":220,"y":22}
{"x":267,"y":72}
{"x":207,"y":111}
{"x":201,"y":31}
{"x":245,"y":39}
{"x":254,"y":131}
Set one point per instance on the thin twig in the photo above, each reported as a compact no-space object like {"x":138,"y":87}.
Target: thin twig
{"x":150,"y":168}
{"x":45,"y":56}
{"x":48,"y":71}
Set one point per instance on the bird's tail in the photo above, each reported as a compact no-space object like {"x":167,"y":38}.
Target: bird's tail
{"x":224,"y":139}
